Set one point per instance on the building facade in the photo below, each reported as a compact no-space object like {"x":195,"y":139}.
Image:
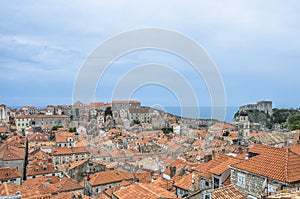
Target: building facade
{"x":24,"y":121}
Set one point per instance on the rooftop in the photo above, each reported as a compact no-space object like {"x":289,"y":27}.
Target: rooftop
{"x":280,"y":164}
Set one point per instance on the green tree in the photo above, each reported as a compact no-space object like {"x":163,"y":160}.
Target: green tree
{"x":4,"y":137}
{"x":294,"y":122}
{"x":72,"y":129}
{"x":167,"y":130}
{"x":54,"y":128}
{"x":136,"y":122}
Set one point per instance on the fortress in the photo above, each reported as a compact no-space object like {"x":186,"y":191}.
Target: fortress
{"x":265,"y":106}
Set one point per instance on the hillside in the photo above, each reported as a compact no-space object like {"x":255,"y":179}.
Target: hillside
{"x":281,"y":118}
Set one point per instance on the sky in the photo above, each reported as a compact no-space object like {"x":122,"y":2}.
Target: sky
{"x":254,"y":45}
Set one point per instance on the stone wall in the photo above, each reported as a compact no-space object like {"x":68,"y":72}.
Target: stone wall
{"x":256,"y":185}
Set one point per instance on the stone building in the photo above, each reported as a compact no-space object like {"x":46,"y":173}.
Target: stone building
{"x":63,"y":155}
{"x":105,"y":179}
{"x":243,"y":129}
{"x":24,"y":121}
{"x":264,"y":106}
{"x":3,"y":113}
{"x":29,"y":110}
{"x":65,"y":139}
{"x":10,"y":175}
{"x":13,"y":157}
{"x":78,"y":170}
{"x":38,"y":140}
{"x":118,"y":105}
{"x":140,"y":114}
{"x":267,"y":170}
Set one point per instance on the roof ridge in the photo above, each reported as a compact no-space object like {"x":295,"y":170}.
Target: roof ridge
{"x":140,"y":184}
{"x":286,"y":164}
{"x":6,"y":188}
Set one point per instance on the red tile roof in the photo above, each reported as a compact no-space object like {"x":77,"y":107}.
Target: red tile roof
{"x":53,"y":184}
{"x":39,"y":155}
{"x":276,"y":163}
{"x":229,"y":192}
{"x":8,"y":153}
{"x":38,"y":137}
{"x":139,"y":190}
{"x":144,"y":177}
{"x":110,"y":176}
{"x":3,"y":129}
{"x":8,"y":189}
{"x":9,"y":173}
{"x":63,"y":137}
{"x":69,"y":195}
{"x":39,"y":168}
{"x":67,"y":151}
{"x":77,"y":163}
{"x":186,"y":182}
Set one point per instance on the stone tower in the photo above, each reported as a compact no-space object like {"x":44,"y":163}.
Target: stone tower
{"x":3,"y":112}
{"x":243,"y":128}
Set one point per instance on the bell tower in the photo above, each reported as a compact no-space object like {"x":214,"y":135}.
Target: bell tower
{"x":243,"y":128}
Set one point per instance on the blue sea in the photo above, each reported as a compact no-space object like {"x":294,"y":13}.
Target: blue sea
{"x":223,"y":114}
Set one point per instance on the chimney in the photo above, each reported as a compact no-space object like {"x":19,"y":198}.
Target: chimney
{"x":172,"y":171}
{"x":213,"y":154}
{"x":182,"y":172}
{"x":247,"y":153}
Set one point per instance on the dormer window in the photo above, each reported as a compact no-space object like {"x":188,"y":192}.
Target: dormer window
{"x":36,"y":169}
{"x":6,"y":174}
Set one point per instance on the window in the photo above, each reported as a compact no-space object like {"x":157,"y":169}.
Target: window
{"x":207,"y":196}
{"x":241,"y":180}
{"x":206,"y":183}
{"x":216,"y":183}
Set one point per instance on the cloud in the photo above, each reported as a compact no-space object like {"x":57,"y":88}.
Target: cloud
{"x":246,"y":39}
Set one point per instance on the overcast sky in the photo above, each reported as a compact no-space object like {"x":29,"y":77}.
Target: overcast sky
{"x":255,"y":46}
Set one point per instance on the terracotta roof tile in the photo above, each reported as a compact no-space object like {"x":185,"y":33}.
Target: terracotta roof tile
{"x":276,"y":163}
{"x":229,"y":192}
{"x":53,"y":184}
{"x":66,"y":150}
{"x":38,"y":137}
{"x":77,"y":163}
{"x":66,"y":195}
{"x":8,"y":173}
{"x":110,"y":176}
{"x":63,"y":137}
{"x":8,"y":189}
{"x":139,"y":191}
{"x":39,"y":169}
{"x":8,"y":153}
{"x":186,"y":182}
